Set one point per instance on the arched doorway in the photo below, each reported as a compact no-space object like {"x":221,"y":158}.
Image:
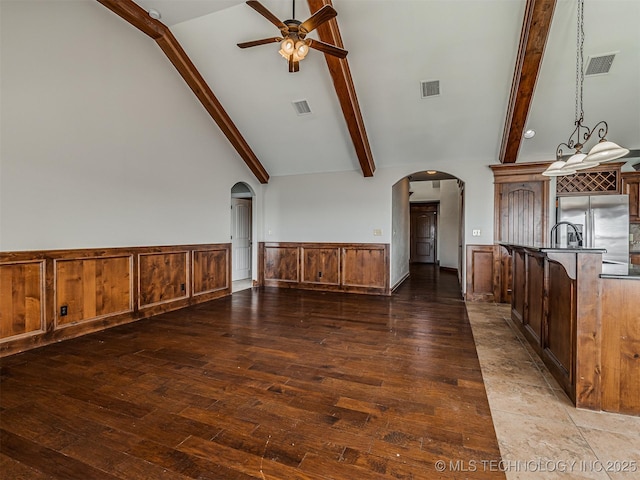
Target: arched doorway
{"x":428,"y":223}
{"x":241,"y":236}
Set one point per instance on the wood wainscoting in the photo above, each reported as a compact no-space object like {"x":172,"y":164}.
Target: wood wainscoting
{"x":338,"y":267}
{"x":483,"y":273}
{"x":50,"y":295}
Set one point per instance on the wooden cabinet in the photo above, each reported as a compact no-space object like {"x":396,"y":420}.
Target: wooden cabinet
{"x":631,"y":187}
{"x":554,"y":304}
{"x":521,"y":212}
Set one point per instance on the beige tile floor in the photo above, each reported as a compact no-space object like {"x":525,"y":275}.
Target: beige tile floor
{"x":540,"y":433}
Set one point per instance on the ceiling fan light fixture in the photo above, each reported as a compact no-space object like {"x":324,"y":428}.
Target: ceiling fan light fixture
{"x":293,"y":45}
{"x":287,"y":47}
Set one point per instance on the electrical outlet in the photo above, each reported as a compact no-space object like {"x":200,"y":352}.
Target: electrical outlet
{"x":476,"y":233}
{"x":182,"y":287}
{"x":319,"y":274}
{"x":64,"y":310}
{"x":377,"y":232}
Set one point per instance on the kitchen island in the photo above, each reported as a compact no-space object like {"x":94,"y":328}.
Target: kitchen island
{"x":584,"y":325}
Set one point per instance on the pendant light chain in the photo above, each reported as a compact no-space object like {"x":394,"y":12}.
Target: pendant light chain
{"x":580,"y":67}
{"x":578,"y":89}
{"x":604,"y":150}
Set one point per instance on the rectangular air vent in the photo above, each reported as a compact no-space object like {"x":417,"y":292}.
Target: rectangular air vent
{"x":429,"y":88}
{"x":302,"y":107}
{"x":599,"y":65}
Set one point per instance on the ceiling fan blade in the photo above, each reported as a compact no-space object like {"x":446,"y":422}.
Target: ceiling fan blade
{"x":264,"y":41}
{"x":294,"y":65}
{"x":314,"y":21}
{"x":262,"y":10}
{"x":326,"y":48}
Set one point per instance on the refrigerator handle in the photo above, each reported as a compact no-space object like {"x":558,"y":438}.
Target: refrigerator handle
{"x":592,"y":230}
{"x":586,"y":231}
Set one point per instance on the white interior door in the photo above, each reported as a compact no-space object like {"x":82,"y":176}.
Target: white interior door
{"x":241,"y":238}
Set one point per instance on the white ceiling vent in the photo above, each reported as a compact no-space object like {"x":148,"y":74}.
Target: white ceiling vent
{"x":599,"y":65}
{"x":302,"y":107}
{"x":429,"y":88}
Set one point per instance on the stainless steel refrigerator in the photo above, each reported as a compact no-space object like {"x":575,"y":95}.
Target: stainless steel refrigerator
{"x":604,"y":223}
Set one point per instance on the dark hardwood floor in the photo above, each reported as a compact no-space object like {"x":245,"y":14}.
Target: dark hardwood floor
{"x":266,"y":384}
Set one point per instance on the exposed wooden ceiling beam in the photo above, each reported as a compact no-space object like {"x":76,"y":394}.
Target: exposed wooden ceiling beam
{"x":139,"y":18}
{"x":533,"y":38}
{"x":345,"y":89}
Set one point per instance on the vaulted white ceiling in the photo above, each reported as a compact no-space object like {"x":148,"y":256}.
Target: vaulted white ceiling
{"x":470,"y":46}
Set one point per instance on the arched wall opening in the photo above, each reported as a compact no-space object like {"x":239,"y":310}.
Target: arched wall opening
{"x":427,"y":223}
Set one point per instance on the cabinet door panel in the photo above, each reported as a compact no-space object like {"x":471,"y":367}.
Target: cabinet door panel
{"x":518,"y":292}
{"x":631,"y":187}
{"x":522,"y":213}
{"x":558,"y":341}
{"x":535,"y":293}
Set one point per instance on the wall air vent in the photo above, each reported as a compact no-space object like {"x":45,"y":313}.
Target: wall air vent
{"x":599,"y":65}
{"x":302,"y":107}
{"x":429,"y":88}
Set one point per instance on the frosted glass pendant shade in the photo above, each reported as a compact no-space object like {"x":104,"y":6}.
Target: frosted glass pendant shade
{"x":558,"y":169}
{"x":606,"y":151}
{"x":579,"y":162}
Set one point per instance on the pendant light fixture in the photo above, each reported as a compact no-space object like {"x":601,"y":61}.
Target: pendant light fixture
{"x":604,"y":150}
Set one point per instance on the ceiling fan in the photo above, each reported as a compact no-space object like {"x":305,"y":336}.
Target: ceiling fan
{"x":293,"y":44}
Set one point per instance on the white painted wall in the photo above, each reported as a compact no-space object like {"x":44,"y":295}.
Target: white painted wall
{"x":103,"y":144}
{"x":449,"y":223}
{"x":400,"y":231}
{"x":346,"y":207}
{"x":328,"y":207}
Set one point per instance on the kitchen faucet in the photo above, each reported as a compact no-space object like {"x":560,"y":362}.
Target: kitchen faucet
{"x":568,"y":224}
